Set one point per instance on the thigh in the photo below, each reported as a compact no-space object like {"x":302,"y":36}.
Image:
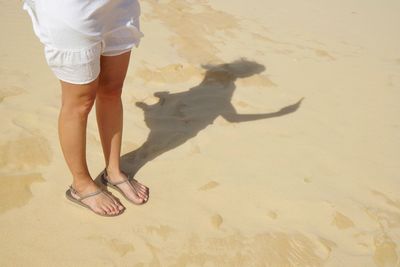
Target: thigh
{"x":113,"y":71}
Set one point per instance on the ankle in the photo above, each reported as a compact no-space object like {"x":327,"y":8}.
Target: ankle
{"x":113,"y":171}
{"x":82,"y":185}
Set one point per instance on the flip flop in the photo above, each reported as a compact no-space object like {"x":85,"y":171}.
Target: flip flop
{"x":106,"y":182}
{"x":69,"y":196}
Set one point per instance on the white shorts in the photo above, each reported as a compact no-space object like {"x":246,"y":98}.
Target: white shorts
{"x":75,"y":33}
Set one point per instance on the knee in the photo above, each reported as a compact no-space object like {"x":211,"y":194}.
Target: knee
{"x":110,"y":90}
{"x":80,"y":106}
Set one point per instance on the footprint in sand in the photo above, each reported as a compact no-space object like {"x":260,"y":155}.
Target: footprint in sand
{"x":114,"y":244}
{"x":10,"y":91}
{"x":216,"y":221}
{"x":163,"y":231}
{"x":208,"y":186}
{"x":385,"y":251}
{"x":341,"y":221}
{"x":9,"y":79}
{"x":323,"y":54}
{"x":272,"y":214}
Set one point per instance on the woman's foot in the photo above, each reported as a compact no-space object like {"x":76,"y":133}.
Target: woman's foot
{"x":100,"y":203}
{"x":132,"y":189}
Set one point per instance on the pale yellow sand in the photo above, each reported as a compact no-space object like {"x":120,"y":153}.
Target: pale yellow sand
{"x":316,"y":186}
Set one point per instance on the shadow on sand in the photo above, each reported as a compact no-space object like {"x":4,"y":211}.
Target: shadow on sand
{"x":178,"y":117}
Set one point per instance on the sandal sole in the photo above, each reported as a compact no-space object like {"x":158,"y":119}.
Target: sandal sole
{"x":69,"y":196}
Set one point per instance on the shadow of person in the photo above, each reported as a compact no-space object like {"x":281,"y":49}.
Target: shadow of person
{"x":178,"y":117}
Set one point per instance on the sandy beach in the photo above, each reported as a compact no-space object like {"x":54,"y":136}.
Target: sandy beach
{"x":267,"y":131}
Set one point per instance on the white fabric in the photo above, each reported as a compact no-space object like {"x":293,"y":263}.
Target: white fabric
{"x":76,"y":32}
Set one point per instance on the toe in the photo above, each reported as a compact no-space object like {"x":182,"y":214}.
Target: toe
{"x":118,"y":205}
{"x":146,"y":196}
{"x":117,"y":202}
{"x":143,"y":186}
{"x":145,"y":193}
{"x":117,"y":209}
{"x":142,"y":189}
{"x":107,"y":209}
{"x":105,"y":212}
{"x":141,"y":195}
{"x":113,"y":208}
{"x":100,"y":211}
{"x":138,"y":200}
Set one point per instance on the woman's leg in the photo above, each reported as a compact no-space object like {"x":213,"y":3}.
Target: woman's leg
{"x":77,"y":101}
{"x":109,"y":112}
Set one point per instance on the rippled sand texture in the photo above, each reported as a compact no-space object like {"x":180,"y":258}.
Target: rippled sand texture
{"x":267,"y":131}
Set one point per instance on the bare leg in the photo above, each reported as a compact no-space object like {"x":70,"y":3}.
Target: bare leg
{"x":77,"y":101}
{"x":109,"y":113}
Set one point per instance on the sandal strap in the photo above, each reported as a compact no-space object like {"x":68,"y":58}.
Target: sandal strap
{"x":87,"y":195}
{"x":105,"y":175}
{"x":119,"y":182}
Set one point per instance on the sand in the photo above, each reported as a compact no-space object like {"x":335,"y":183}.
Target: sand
{"x":267,"y":131}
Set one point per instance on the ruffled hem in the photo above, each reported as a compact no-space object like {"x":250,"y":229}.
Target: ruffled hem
{"x":61,"y":57}
{"x":74,"y":81}
{"x":74,"y":66}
